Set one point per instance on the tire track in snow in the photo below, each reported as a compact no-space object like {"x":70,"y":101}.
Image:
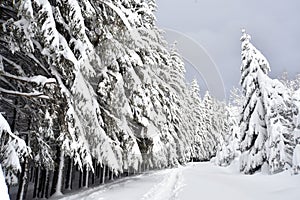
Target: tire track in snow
{"x":169,"y":188}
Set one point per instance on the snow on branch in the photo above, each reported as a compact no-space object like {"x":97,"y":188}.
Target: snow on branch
{"x":12,"y":151}
{"x":40,"y":80}
{"x":119,"y":13}
{"x":25,"y":94}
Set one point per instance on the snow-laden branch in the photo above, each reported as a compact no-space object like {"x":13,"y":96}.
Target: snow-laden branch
{"x":13,"y":151}
{"x":119,"y":13}
{"x":40,"y":80}
{"x":25,"y":94}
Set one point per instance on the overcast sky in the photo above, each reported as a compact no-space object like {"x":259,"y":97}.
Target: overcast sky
{"x":273,"y":24}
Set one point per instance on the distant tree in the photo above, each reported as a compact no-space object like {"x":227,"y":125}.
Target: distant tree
{"x":236,"y":97}
{"x":290,"y":84}
{"x":296,"y":133}
{"x":279,"y":147}
{"x":210,"y":133}
{"x":228,"y":146}
{"x":198,"y":151}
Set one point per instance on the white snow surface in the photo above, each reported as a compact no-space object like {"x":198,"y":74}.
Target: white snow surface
{"x":197,"y":181}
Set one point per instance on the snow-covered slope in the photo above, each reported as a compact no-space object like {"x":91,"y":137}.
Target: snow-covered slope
{"x":195,"y":181}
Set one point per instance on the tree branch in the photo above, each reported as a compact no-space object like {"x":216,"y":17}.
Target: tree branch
{"x":31,"y":94}
{"x":35,"y":79}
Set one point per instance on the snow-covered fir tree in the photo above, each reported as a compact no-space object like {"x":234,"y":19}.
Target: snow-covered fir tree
{"x":292,"y":86}
{"x":228,"y":146}
{"x":266,"y":115}
{"x":296,"y":133}
{"x":210,"y":132}
{"x":253,"y":123}
{"x":198,"y":151}
{"x":280,"y":126}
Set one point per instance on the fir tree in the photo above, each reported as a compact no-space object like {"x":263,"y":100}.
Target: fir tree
{"x":228,"y":146}
{"x":296,"y":132}
{"x":266,"y":121}
{"x":253,"y":123}
{"x":198,"y":151}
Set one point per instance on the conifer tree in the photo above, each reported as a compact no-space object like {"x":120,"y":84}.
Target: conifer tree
{"x":198,"y":151}
{"x":228,"y":146}
{"x":266,"y":118}
{"x":296,"y":132}
{"x":253,"y":123}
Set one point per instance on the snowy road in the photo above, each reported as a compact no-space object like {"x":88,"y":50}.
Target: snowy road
{"x":197,"y":181}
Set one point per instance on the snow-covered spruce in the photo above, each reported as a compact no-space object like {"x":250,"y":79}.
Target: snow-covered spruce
{"x":228,"y":146}
{"x":296,"y":133}
{"x":266,"y":118}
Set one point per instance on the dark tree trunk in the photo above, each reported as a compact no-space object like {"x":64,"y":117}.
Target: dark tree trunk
{"x":111,"y":174}
{"x":96,"y":170}
{"x":93,"y":178}
{"x":36,"y":181}
{"x":41,"y":189}
{"x":73,"y":176}
{"x":47,"y":184}
{"x":80,"y":178}
{"x":56,"y":172}
{"x":31,"y":174}
{"x":99,"y":170}
{"x":13,"y":124}
{"x":100,"y":173}
{"x":23,"y":184}
{"x":69,"y":174}
{"x":84,"y":171}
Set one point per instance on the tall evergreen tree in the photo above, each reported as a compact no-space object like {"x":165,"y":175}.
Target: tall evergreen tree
{"x":253,"y":123}
{"x":210,"y":132}
{"x":266,"y":118}
{"x":199,"y":153}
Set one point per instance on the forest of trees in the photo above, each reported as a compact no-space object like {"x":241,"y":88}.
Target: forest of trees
{"x":90,"y":91}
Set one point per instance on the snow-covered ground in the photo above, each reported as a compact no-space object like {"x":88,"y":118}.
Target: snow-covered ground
{"x":197,"y":181}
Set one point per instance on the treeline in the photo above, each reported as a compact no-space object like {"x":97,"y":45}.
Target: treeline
{"x":90,"y":91}
{"x":267,"y":118}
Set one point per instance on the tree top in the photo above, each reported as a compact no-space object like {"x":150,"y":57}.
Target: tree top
{"x":245,"y":37}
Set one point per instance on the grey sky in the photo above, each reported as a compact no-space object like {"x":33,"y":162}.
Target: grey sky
{"x":273,"y":25}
